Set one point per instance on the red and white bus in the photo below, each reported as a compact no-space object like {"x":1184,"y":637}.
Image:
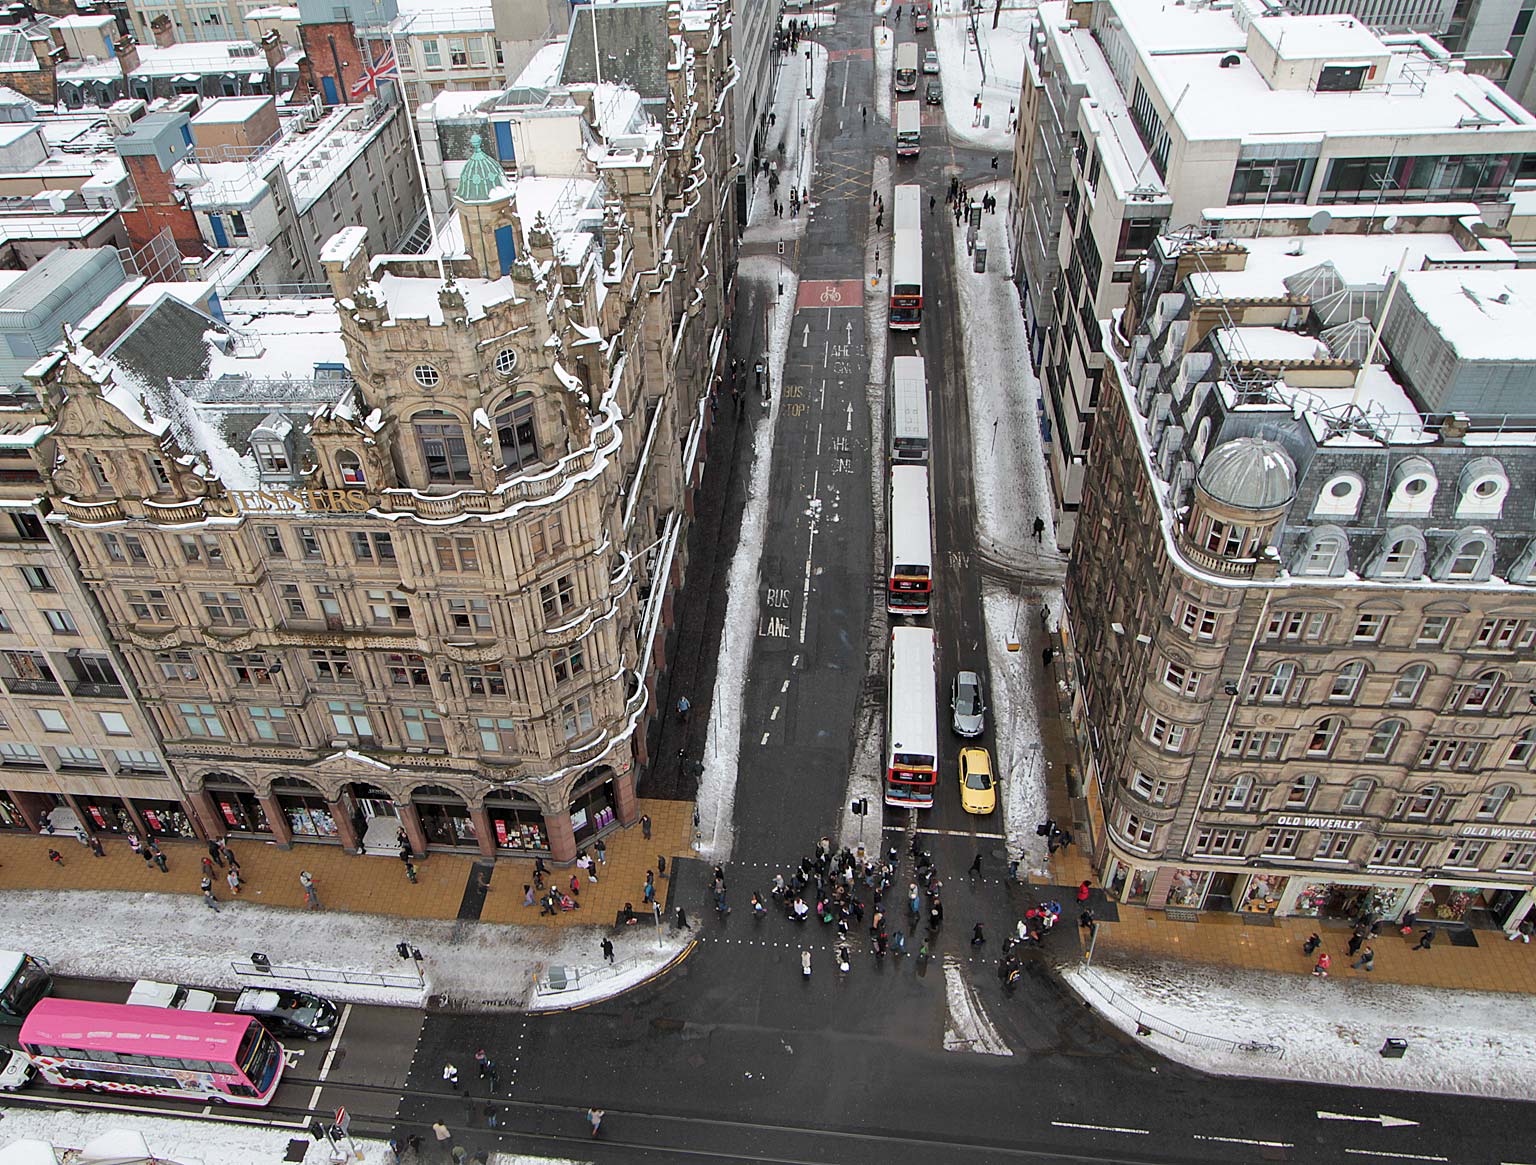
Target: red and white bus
{"x":909,"y":584}
{"x":906,"y":67}
{"x":907,"y":261}
{"x":912,"y":727}
{"x":153,"y":1051}
{"x":909,"y":409}
{"x":909,"y":129}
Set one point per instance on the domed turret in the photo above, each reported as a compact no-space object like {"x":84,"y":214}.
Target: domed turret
{"x":481,"y":177}
{"x":1249,"y":473}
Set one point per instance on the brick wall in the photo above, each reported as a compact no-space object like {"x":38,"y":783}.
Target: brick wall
{"x":331,"y":51}
{"x":158,"y":208}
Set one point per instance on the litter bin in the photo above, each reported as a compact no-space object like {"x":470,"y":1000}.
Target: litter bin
{"x":980,"y":265}
{"x":261,"y":962}
{"x":1393,"y":1049}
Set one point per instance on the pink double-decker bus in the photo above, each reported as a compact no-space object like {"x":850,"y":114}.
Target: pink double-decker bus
{"x":153,"y":1051}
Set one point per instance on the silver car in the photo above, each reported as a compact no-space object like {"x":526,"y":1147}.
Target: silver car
{"x":930,"y":61}
{"x":968,"y":704}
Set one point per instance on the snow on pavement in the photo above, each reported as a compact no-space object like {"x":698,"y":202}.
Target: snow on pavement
{"x":885,"y":52}
{"x":1009,"y":487}
{"x":1329,"y":1030}
{"x":123,"y":1136}
{"x":1003,"y":52}
{"x":968,"y":1028}
{"x":486,"y":965}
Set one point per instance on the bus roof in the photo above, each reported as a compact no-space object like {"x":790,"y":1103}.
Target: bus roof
{"x":118,"y":1027}
{"x":909,"y":206}
{"x":909,"y":398}
{"x":911,"y":538}
{"x":909,"y":117}
{"x":914,"y":693}
{"x":906,"y":54}
{"x":10,"y":963}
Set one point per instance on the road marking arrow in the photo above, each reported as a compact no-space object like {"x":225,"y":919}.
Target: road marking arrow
{"x":805,"y":337}
{"x":1385,"y":1121}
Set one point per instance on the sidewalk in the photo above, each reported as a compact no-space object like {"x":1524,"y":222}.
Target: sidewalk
{"x":446,"y":886}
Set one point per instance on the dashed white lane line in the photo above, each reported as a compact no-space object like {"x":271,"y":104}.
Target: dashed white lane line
{"x":764,"y":740}
{"x":784,"y":687}
{"x":330,"y":1055}
{"x":1246,"y":1141}
{"x":948,"y":833}
{"x":774,"y":715}
{"x":1395,"y":1156}
{"x":1102,"y":1128}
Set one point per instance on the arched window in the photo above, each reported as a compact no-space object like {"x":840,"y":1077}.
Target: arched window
{"x":1325,"y":556}
{"x":350,"y":467}
{"x":1413,"y":488}
{"x":1383,"y":740}
{"x":516,"y":436}
{"x":1483,"y":485}
{"x":1481,"y":695}
{"x":1466,"y":561}
{"x":1409,"y":682}
{"x":1299,"y":795}
{"x":1277,"y":686}
{"x":1401,"y":555}
{"x":1234,"y":795}
{"x":1340,"y":495}
{"x":1494,"y":801}
{"x":444,"y":452}
{"x":1325,"y":736}
{"x":1346,"y":685}
{"x":1358,"y":793}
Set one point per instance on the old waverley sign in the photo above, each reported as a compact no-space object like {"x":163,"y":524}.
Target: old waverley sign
{"x":1337,"y":823}
{"x":290,"y":501}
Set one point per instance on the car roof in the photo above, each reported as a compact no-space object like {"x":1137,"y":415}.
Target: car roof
{"x":972,"y":755}
{"x":254,"y":999}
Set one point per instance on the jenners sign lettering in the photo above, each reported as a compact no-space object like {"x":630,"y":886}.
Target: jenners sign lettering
{"x":290,"y":501}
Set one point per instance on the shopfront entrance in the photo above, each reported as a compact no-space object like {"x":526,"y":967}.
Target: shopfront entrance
{"x":1347,"y":901}
{"x":237,"y":805}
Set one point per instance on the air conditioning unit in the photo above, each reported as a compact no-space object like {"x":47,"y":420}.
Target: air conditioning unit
{"x":317,"y":106}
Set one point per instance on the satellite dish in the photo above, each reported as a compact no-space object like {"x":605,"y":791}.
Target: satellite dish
{"x":1391,"y":224}
{"x":1319,"y":223}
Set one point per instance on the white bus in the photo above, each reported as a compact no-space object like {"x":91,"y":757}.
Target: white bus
{"x":906,"y":67}
{"x":909,"y":583}
{"x":909,"y":409}
{"x":912,"y":726}
{"x":909,"y":129}
{"x":906,"y":313}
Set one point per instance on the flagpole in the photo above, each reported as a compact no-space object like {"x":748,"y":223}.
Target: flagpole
{"x":410,"y":132}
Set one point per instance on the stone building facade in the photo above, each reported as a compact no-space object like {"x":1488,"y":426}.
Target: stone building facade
{"x":424,"y":588}
{"x":1302,"y":607}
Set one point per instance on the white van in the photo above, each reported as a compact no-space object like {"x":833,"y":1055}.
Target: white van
{"x":148,"y":993}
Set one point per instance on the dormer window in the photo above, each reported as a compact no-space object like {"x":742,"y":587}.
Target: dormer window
{"x":1340,"y":496}
{"x":516,"y":435}
{"x":1482,"y":488}
{"x":1413,"y":488}
{"x":269,"y":445}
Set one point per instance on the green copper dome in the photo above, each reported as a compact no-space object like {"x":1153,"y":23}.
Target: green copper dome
{"x":481,"y":174}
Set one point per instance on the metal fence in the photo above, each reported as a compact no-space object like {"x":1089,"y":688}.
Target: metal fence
{"x":1147,"y":1023}
{"x":250,"y":970}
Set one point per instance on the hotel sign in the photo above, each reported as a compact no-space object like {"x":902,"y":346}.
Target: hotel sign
{"x":1506,"y":832}
{"x":1346,"y":824}
{"x":290,"y":501}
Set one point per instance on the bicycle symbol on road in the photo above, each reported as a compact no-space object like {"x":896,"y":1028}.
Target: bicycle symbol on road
{"x":831,"y":296}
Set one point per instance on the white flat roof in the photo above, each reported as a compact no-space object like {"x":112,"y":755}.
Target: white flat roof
{"x":1363,"y":261}
{"x":1483,"y":315}
{"x":225,"y":110}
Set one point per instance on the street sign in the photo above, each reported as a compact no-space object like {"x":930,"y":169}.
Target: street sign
{"x":343,"y":1120}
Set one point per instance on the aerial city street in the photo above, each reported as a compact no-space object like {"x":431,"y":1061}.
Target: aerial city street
{"x":818,"y":581}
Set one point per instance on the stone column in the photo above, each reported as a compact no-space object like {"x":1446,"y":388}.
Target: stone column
{"x":282,"y":835}
{"x":346,"y":830}
{"x":562,"y":838}
{"x":485,"y":831}
{"x":410,"y":821}
{"x":625,"y":805}
{"x":1516,"y":916}
{"x":207,"y":822}
{"x":31,"y":806}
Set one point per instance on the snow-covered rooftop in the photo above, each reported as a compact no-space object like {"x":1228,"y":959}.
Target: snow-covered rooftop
{"x":1180,"y":48}
{"x":1483,"y":315}
{"x":1124,"y":156}
{"x":430,"y":16}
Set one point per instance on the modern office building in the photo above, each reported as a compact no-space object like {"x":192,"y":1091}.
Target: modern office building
{"x":1302,"y":595}
{"x":1142,"y":118}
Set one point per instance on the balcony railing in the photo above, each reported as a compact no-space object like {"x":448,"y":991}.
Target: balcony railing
{"x":33,"y":687}
{"x":99,"y":691}
{"x":108,"y":511}
{"x":1205,"y":560}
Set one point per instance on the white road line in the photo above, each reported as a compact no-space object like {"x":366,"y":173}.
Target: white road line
{"x":810,"y":546}
{"x":330,"y":1056}
{"x":848,"y":68}
{"x":947,"y":833}
{"x":1395,"y":1156}
{"x":763,"y":741}
{"x":1104,"y":1128}
{"x":774,"y":715}
{"x":818,"y":438}
{"x":221,"y":1115}
{"x":849,"y":427}
{"x":784,"y":687}
{"x":1246,"y":1141}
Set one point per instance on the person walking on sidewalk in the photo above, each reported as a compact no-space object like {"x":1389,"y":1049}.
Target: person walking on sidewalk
{"x":977,"y":936}
{"x":601,"y":850}
{"x":208,"y":898}
{"x":1426,"y":940}
{"x":683,"y":703}
{"x":595,"y":1119}
{"x":159,"y":858}
{"x":208,"y":867}
{"x":96,"y":847}
{"x":1355,"y":940}
{"x":1366,"y":961}
{"x":608,"y":950}
{"x":1314,"y":940}
{"x":682,"y":919}
{"x":1084,"y":889}
{"x":55,"y":857}
{"x":650,"y":886}
{"x":975,"y":870}
{"x":451,"y":1076}
{"x":233,"y":878}
{"x":311,"y":895}
{"x":216,"y":853}
{"x":1324,"y":961}
{"x":645,"y":826}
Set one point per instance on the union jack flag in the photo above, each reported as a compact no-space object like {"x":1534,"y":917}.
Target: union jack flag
{"x":380,"y":70}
